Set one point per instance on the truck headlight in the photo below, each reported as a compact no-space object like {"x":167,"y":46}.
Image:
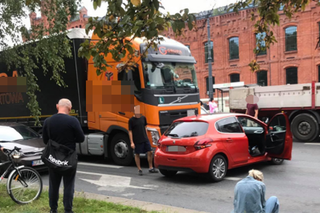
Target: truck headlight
{"x":154,"y":135}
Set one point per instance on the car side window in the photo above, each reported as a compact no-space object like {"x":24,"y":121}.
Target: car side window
{"x":228,"y":125}
{"x":247,"y":122}
{"x":278,"y":124}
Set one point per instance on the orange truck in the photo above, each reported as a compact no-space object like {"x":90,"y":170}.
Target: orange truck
{"x":163,"y":83}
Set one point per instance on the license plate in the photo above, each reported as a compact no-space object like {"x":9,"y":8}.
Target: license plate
{"x":191,"y":112}
{"x":37,"y":162}
{"x":176,"y":148}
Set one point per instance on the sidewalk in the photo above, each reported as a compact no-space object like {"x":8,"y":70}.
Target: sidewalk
{"x":148,"y":206}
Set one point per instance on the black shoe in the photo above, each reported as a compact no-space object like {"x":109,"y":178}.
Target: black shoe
{"x":140,"y":172}
{"x":53,"y":211}
{"x":153,"y":170}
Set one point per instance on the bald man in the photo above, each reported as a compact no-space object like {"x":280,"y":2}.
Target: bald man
{"x":66,"y":130}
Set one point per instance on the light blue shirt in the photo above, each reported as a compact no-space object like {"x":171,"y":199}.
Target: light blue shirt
{"x":249,"y":196}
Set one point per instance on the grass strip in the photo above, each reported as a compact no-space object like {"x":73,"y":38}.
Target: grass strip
{"x":80,"y":205}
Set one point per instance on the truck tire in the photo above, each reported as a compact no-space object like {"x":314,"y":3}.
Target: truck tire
{"x":305,"y":127}
{"x":121,"y":151}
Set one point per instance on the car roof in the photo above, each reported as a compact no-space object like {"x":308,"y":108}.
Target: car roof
{"x":10,"y":124}
{"x":209,"y":117}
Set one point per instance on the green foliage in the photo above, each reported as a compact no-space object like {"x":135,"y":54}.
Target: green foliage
{"x":81,"y":204}
{"x":130,"y":19}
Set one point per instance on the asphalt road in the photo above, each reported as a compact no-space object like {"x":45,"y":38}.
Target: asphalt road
{"x":296,"y":183}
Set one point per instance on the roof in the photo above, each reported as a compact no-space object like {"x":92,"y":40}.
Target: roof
{"x":219,"y":11}
{"x":79,"y":33}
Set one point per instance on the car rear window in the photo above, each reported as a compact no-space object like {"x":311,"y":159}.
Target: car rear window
{"x":187,"y":129}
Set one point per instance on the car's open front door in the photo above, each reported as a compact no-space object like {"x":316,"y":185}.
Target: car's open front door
{"x":279,"y":137}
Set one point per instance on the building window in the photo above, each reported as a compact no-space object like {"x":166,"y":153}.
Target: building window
{"x":319,"y":34}
{"x":262,"y":78}
{"x":207,"y":83}
{"x":260,"y":42}
{"x":318,"y":73}
{"x":292,"y":75}
{"x":234,"y":48}
{"x":206,"y":51}
{"x":80,"y":26}
{"x":234,"y":77}
{"x":291,"y":38}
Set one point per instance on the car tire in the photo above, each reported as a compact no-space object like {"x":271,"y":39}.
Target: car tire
{"x":168,"y":173}
{"x":276,"y":161}
{"x":218,"y":168}
{"x":121,"y":151}
{"x":305,"y":127}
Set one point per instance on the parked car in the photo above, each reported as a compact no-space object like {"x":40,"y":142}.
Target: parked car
{"x":30,"y":142}
{"x":214,"y":143}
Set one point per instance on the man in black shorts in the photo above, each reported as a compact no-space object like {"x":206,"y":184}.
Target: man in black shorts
{"x":139,"y":139}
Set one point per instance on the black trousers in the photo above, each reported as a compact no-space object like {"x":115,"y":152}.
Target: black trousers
{"x":54,"y":185}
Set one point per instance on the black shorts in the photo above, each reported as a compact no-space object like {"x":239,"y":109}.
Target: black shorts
{"x":142,"y":147}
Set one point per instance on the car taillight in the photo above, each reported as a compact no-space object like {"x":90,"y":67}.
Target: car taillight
{"x":203,"y":143}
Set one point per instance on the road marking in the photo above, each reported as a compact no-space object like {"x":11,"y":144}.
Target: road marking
{"x":232,"y":178}
{"x":112,"y":182}
{"x":128,"y":194}
{"x":316,"y":144}
{"x":100,"y":165}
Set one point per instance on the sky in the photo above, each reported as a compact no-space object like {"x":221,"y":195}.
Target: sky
{"x":171,"y":6}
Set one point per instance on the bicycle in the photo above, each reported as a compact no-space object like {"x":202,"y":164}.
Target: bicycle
{"x":24,"y":184}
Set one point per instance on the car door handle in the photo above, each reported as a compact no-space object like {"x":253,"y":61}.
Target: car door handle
{"x":229,"y":140}
{"x":258,"y":132}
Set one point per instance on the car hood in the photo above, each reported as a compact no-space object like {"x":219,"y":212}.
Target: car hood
{"x":27,"y":146}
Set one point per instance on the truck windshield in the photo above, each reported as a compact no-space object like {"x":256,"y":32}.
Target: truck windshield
{"x":169,"y":75}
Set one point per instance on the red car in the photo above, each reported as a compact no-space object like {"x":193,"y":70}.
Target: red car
{"x":215,"y":143}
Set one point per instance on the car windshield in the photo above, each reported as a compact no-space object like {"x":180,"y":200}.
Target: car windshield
{"x":169,"y":75}
{"x":14,"y":133}
{"x":187,"y":129}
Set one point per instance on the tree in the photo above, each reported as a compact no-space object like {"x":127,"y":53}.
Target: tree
{"x":25,"y":58}
{"x":130,"y":19}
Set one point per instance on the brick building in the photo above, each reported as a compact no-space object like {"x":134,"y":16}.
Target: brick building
{"x":293,"y":59}
{"x":79,"y":20}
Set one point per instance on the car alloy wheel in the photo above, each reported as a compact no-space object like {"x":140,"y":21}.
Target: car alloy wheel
{"x":218,"y":168}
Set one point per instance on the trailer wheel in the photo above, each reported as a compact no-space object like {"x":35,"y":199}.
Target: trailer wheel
{"x":305,"y":127}
{"x":121,"y":151}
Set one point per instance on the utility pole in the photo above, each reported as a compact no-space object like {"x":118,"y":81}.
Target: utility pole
{"x":209,"y":61}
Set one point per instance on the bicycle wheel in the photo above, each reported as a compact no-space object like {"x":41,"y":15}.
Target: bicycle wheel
{"x":25,"y":187}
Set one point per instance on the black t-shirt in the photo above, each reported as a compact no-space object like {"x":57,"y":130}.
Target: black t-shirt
{"x":138,"y":128}
{"x":64,"y":129}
